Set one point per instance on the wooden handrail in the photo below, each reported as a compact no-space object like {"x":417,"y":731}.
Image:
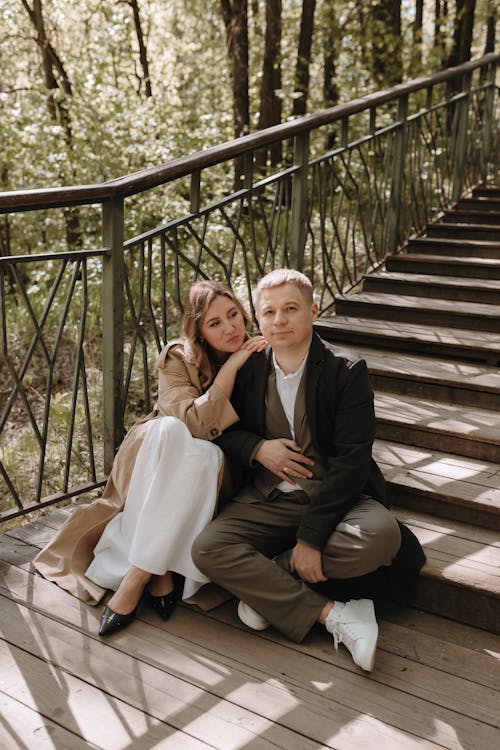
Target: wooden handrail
{"x":146,"y":179}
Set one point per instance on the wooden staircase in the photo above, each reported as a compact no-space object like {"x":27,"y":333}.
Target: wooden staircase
{"x":428,"y":325}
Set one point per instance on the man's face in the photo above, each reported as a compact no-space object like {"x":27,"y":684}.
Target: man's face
{"x":286,"y":317}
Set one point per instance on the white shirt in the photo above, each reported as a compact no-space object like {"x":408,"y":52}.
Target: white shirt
{"x":287,"y":387}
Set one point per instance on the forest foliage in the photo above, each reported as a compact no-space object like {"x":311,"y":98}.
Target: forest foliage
{"x":95,"y":89}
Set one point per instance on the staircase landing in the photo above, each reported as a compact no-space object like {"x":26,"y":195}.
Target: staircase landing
{"x":203,"y":680}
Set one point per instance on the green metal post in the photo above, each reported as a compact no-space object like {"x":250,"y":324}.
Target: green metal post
{"x":299,"y":202}
{"x":195,"y":191}
{"x":397,"y":183}
{"x":488,"y":125}
{"x":461,"y":139}
{"x":112,"y":329}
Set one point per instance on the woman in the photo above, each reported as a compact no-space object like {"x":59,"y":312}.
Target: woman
{"x":165,"y":478}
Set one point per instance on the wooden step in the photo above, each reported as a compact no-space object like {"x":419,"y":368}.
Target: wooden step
{"x":433,"y":378}
{"x":454,"y":215}
{"x":469,"y":315}
{"x":484,"y":291}
{"x":458,"y":248}
{"x":462,"y":430}
{"x":396,"y":335}
{"x":445,"y":485}
{"x":480,"y":203}
{"x":461,"y":578}
{"x":478,"y":232}
{"x":486,"y":191}
{"x":442,"y":265}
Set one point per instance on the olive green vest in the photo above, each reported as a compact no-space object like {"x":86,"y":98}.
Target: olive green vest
{"x":277,"y":427}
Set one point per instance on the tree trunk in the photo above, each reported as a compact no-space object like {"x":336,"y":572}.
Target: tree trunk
{"x":330,"y":58}
{"x":143,"y":55}
{"x":386,"y":42}
{"x":363,"y":24}
{"x":56,"y":80}
{"x":304,"y":58}
{"x":234,"y":13}
{"x":270,"y":102}
{"x":489,"y":45}
{"x":235,"y":16}
{"x":416,"y":53}
{"x":440,"y":21}
{"x":462,"y":33}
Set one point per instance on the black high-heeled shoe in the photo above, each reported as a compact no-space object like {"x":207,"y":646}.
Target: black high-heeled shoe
{"x":164,"y":605}
{"x":112,"y":621}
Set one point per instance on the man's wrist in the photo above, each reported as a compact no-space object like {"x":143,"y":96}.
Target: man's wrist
{"x":308,"y":544}
{"x":253,"y":461}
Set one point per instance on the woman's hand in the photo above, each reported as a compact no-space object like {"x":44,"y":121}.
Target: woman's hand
{"x":237,"y":359}
{"x":227,"y":374}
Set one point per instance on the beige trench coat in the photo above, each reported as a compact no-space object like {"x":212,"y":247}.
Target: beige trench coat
{"x":180,"y":394}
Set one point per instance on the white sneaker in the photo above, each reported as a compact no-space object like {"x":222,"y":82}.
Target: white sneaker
{"x":356,"y":627}
{"x":251,"y":618}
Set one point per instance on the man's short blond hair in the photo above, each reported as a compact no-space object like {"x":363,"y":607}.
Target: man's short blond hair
{"x":281,"y":276}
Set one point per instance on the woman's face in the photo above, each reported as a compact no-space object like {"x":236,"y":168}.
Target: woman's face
{"x":223,"y":326}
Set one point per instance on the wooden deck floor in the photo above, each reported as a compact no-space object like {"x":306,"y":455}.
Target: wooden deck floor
{"x":205,"y":681}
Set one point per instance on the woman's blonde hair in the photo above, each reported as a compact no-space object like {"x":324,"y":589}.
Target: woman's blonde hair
{"x":200,"y":297}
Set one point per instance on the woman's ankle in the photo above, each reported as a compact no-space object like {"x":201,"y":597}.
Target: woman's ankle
{"x":129,"y":592}
{"x":161,"y":585}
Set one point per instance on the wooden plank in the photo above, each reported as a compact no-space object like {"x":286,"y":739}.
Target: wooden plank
{"x":471,"y":645}
{"x":436,"y":280}
{"x":331,"y":698}
{"x":443,"y":544}
{"x":446,"y":259}
{"x":437,"y":286}
{"x":21,"y":727}
{"x":222,"y":695}
{"x":90,"y":717}
{"x":397,"y":304}
{"x":422,"y":493}
{"x":467,"y":575}
{"x":467,"y":231}
{"x":79,"y":679}
{"x":434,"y":483}
{"x":484,"y":475}
{"x":448,"y":372}
{"x":470,"y":216}
{"x":390,"y":672}
{"x":480,"y":537}
{"x":378,"y":695}
{"x":403,"y":330}
{"x":462,"y":648}
{"x":481,"y":203}
{"x":459,"y":247}
{"x":467,"y":422}
{"x":16,"y":552}
{"x":442,"y":645}
{"x":36,"y":534}
{"x":444,"y":265}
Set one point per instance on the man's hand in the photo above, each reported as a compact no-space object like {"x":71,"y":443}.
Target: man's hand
{"x":306,"y":563}
{"x":284,"y":458}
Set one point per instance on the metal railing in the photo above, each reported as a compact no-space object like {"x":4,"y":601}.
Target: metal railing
{"x":356,"y":181}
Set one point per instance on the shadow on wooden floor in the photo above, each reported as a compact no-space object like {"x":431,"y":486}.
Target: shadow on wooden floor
{"x":204,"y":681}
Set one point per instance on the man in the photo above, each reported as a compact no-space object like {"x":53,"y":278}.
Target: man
{"x":313,"y":508}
